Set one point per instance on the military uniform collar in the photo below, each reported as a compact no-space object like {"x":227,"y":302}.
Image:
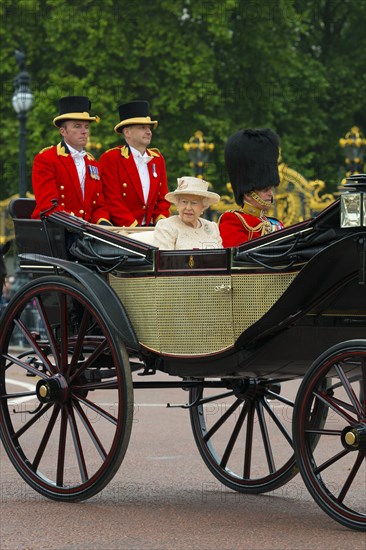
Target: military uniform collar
{"x":252,"y":210}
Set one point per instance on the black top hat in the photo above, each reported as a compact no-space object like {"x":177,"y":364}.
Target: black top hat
{"x":136,"y":112}
{"x":75,"y":107}
{"x":251,"y":159}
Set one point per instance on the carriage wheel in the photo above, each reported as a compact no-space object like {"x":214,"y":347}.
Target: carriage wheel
{"x":65,"y":390}
{"x":243,"y":433}
{"x":335,"y":470}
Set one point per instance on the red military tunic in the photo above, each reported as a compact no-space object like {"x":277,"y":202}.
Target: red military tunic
{"x":123,"y":191}
{"x":55,"y":176}
{"x":239,"y":226}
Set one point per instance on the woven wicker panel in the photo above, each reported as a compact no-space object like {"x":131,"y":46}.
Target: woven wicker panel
{"x":179,"y":315}
{"x":138,"y":296}
{"x":254,"y":295}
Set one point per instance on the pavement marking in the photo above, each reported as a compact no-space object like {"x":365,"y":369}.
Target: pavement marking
{"x":27,"y":386}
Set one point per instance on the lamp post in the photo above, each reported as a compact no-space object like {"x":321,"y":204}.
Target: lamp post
{"x":354,"y":145}
{"x":199,"y":151}
{"x":22,"y":101}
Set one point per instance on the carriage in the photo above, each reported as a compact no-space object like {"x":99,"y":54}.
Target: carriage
{"x":267,"y":339}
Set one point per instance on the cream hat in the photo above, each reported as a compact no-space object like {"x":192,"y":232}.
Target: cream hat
{"x":187,"y":185}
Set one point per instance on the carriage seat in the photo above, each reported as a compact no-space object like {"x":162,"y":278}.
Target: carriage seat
{"x":30,"y":234}
{"x":145,"y":236}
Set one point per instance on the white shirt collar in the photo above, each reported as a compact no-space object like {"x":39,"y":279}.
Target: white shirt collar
{"x":137,"y":153}
{"x":75,"y":152}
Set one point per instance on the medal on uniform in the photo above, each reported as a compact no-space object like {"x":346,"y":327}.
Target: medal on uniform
{"x":154,"y":171}
{"x":93,"y":171}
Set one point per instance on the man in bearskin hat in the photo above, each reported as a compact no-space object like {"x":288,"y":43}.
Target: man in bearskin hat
{"x":134,"y":175}
{"x":64,"y":176}
{"x":251,"y":159}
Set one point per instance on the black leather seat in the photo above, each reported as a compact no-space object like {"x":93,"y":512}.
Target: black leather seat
{"x":30,"y":234}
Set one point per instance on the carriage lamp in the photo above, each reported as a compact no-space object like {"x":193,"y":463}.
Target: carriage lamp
{"x":353,"y":202}
{"x":22,"y":101}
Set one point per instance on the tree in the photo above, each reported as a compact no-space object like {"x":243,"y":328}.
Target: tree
{"x":209,"y":65}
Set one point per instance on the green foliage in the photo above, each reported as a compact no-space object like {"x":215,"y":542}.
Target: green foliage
{"x":210,"y":65}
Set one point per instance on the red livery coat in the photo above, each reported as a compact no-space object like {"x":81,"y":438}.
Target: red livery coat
{"x":123,"y":191}
{"x":237,"y":227}
{"x":54,"y":176}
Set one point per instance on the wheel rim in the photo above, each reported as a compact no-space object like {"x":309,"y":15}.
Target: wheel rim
{"x":65,"y":391}
{"x":243,"y":434}
{"x":334,"y":470}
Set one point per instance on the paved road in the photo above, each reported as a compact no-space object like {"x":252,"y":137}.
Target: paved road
{"x":164,"y":497}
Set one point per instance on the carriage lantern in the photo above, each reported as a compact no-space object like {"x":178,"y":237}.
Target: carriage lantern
{"x":353,"y":202}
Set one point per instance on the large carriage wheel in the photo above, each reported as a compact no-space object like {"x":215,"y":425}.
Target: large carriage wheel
{"x":243,"y":433}
{"x":335,"y":470}
{"x":65,"y":390}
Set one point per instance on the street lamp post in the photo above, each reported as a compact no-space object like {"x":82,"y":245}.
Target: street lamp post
{"x":22,"y":101}
{"x":354,"y":146}
{"x":199,"y":151}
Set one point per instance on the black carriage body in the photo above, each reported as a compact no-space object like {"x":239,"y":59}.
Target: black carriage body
{"x":266,"y":309}
{"x":239,"y":327}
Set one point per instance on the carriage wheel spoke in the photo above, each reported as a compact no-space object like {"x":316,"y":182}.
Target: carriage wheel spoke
{"x":89,"y":428}
{"x":249,"y":442}
{"x":222,"y":420}
{"x":46,"y":436}
{"x":351,"y":477}
{"x":48,"y":330}
{"x":30,"y":423}
{"x":277,"y":422}
{"x":265,"y":437}
{"x":61,"y":449}
{"x":64,"y":318}
{"x":94,"y":407}
{"x":349,"y":390}
{"x":25,"y":366}
{"x":90,"y":360}
{"x":79,"y":342}
{"x":17,"y":395}
{"x":234,"y":436}
{"x":77,"y":445}
{"x":363,"y":386}
{"x":333,"y":404}
{"x":331,"y":461}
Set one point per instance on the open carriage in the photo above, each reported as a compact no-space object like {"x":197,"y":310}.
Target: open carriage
{"x":268,"y":339}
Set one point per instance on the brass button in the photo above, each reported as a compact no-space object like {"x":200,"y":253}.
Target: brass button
{"x":81,"y":211}
{"x":63,"y":204}
{"x":62,"y":196}
{"x":94,"y":202}
{"x":62,"y":187}
{"x":124,"y":195}
{"x":144,"y":207}
{"x":124,"y":184}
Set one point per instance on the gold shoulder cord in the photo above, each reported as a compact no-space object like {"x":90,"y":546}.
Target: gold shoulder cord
{"x":264,"y":226}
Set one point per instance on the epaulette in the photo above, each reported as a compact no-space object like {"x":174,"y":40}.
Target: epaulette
{"x":154,"y":152}
{"x":45,"y":149}
{"x":89,"y":155}
{"x":112,"y":149}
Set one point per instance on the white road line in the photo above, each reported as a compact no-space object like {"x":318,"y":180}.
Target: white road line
{"x":27,"y":386}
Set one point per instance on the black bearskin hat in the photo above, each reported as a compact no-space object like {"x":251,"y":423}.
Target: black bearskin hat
{"x":251,"y":159}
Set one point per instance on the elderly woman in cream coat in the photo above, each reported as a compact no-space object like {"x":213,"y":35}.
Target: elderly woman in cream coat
{"x":188,"y":230}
